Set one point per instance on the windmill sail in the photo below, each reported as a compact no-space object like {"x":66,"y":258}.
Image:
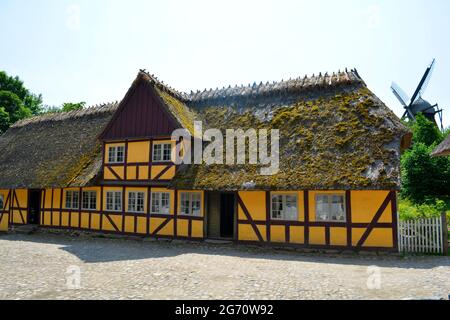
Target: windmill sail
{"x":400,"y":94}
{"x":423,"y":82}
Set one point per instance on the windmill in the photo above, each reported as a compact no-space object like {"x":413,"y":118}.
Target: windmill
{"x":417,"y":104}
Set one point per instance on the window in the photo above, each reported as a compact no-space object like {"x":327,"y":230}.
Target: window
{"x":160,"y":203}
{"x":114,"y":201}
{"x":1,"y":201}
{"x":330,"y":207}
{"x":190,"y":203}
{"x":284,"y":207}
{"x":89,"y":200}
{"x":116,"y":154}
{"x":72,"y":199}
{"x":136,"y":201}
{"x":162,"y":152}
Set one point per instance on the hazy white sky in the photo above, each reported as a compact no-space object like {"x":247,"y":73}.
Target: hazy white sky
{"x":91,"y":51}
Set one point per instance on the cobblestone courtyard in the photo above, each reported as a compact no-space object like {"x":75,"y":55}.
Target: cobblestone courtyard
{"x":35,"y":267}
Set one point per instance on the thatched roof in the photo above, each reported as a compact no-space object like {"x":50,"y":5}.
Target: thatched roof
{"x":335,"y":134}
{"x":54,"y":150}
{"x":443,"y":149}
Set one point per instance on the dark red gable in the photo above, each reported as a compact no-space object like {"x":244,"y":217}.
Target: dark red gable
{"x":141,"y":114}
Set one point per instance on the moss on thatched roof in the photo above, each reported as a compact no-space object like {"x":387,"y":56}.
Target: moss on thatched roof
{"x":331,"y":137}
{"x":54,"y":150}
{"x":335,"y":134}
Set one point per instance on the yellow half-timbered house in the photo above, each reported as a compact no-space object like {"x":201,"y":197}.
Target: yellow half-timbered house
{"x":111,"y":168}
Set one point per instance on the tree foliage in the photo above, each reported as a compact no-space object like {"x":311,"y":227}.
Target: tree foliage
{"x":16,"y":101}
{"x":425,"y":178}
{"x":68,"y":106}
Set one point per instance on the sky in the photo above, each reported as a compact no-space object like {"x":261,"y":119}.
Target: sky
{"x":72,"y":51}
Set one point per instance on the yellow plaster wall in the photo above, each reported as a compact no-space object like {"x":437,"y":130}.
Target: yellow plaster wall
{"x":366,"y":203}
{"x":138,"y":151}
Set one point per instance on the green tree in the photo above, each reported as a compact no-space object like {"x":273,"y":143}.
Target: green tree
{"x":4,"y":120}
{"x":16,"y":86}
{"x":425,"y":178}
{"x":425,"y":131}
{"x":69,"y":106}
{"x":16,"y":101}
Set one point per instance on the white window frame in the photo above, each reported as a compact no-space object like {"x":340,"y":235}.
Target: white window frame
{"x":158,"y":196}
{"x":113,"y":154}
{"x":74,"y":205}
{"x":134,"y":196}
{"x":115,"y":195}
{"x":190,"y":211}
{"x":330,"y":203}
{"x":283,"y":213}
{"x":90,"y":200}
{"x":2,"y":202}
{"x":159,"y":156}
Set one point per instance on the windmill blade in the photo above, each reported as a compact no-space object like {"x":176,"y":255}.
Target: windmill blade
{"x":410,"y":114}
{"x":423,"y":82}
{"x":400,"y":94}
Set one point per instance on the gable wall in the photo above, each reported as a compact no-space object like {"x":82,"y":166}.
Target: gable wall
{"x":141,"y":115}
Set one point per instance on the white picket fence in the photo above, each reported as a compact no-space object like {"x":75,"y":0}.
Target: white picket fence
{"x":422,"y":236}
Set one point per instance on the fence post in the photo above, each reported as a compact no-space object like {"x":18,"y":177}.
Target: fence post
{"x":444,"y":234}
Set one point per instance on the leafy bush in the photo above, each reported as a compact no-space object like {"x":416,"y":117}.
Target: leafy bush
{"x":410,"y":211}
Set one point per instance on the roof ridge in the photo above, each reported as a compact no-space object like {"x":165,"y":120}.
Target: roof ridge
{"x":292,"y":85}
{"x":297,"y":84}
{"x":162,"y":86}
{"x":59,"y":116}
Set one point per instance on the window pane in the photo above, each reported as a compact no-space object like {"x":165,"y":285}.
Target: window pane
{"x":140,"y":202}
{"x":112,"y":154}
{"x":120,"y":154}
{"x":277,"y":206}
{"x":93,"y":200}
{"x":157,"y":152}
{"x":68,"y":199}
{"x":322,"y":207}
{"x":185,"y":206}
{"x":117,"y":201}
{"x":290,"y":212}
{"x":337,"y":208}
{"x":195,"y":203}
{"x":85,"y":200}
{"x":1,"y":202}
{"x":75,"y":200}
{"x":109,"y":201}
{"x":165,"y":203}
{"x":131,"y":201}
{"x":167,"y":152}
{"x":155,"y":202}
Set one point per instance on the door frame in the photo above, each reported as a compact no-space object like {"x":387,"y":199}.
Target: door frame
{"x":29,"y":206}
{"x":235,"y":214}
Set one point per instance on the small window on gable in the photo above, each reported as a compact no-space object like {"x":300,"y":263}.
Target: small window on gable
{"x":72,"y":199}
{"x":284,"y":207}
{"x":2,"y":203}
{"x":162,"y":152}
{"x":116,"y":154}
{"x":330,"y":207}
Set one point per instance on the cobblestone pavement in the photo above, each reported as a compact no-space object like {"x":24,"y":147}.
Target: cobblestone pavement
{"x":35,"y":267}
